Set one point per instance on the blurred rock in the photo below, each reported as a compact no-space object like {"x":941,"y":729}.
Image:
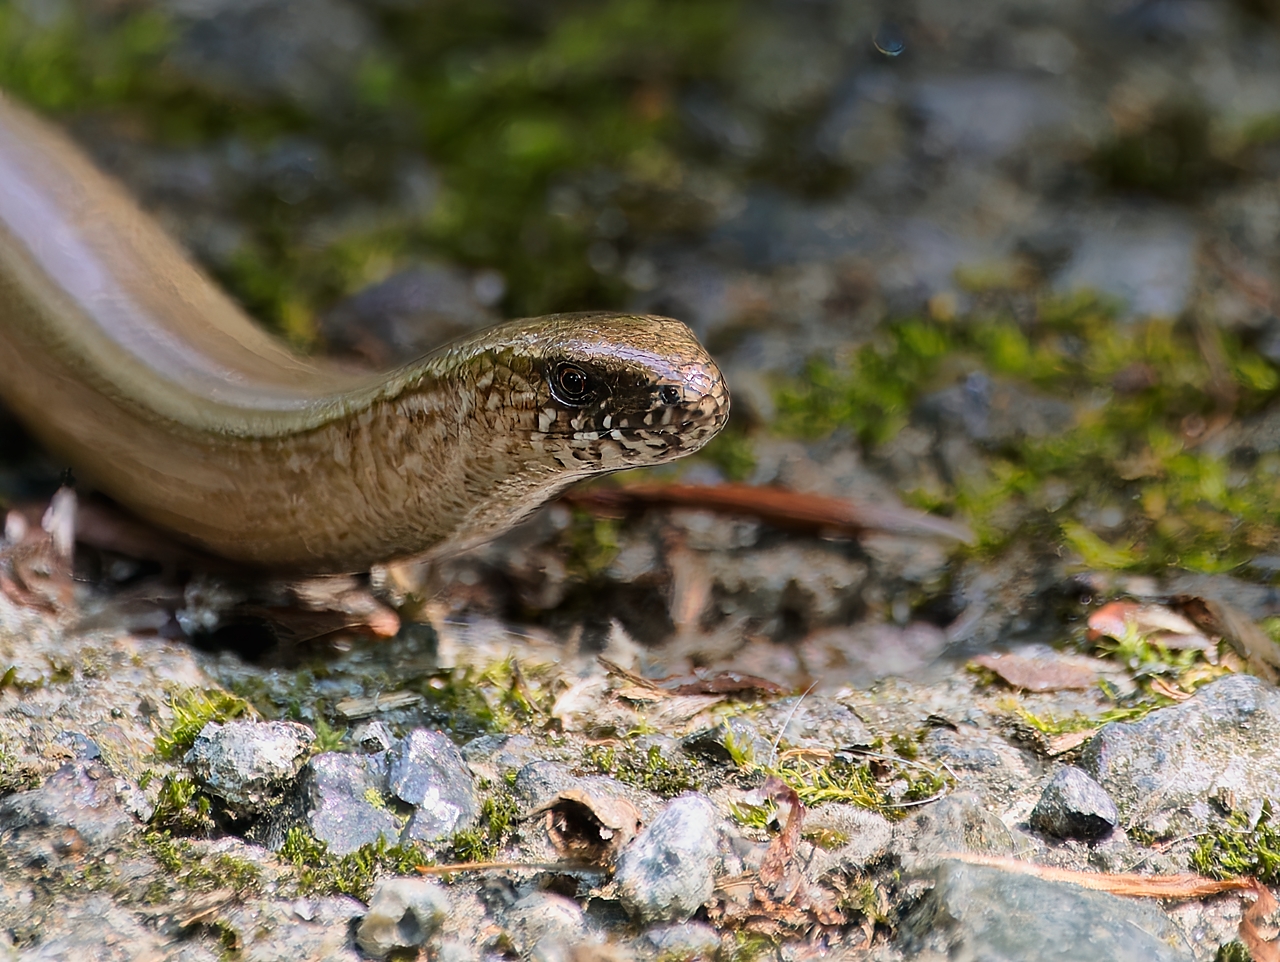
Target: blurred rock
{"x":409,"y":314}
{"x":404,"y":913}
{"x":1147,"y":260}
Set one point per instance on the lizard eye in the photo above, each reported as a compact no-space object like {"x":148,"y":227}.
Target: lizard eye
{"x":572,"y":385}
{"x":670,"y":394}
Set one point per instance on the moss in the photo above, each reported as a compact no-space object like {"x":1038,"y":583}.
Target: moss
{"x":196,"y":870}
{"x":1233,"y":952}
{"x":520,"y":109}
{"x":328,"y":738}
{"x":1144,"y":394}
{"x":1241,"y":851}
{"x":645,"y":768}
{"x":181,"y":808}
{"x":849,"y":780}
{"x":483,"y":841}
{"x":318,"y":872}
{"x":192,"y":710}
{"x":15,"y":774}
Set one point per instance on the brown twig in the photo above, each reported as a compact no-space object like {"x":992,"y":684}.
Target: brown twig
{"x":777,"y":506}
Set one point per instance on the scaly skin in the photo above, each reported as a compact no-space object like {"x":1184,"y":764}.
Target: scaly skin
{"x":128,"y":363}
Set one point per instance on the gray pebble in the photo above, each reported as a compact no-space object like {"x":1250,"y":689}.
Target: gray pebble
{"x":668,"y":872}
{"x":340,"y":795}
{"x":1073,"y":805}
{"x":427,"y":771}
{"x":978,"y":912}
{"x":248,"y":764}
{"x":403,"y":914}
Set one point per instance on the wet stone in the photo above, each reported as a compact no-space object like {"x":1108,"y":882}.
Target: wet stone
{"x":978,"y":912}
{"x":343,"y":799}
{"x":1162,"y":770}
{"x":668,"y":872}
{"x":426,"y":770}
{"x":403,"y":914}
{"x":248,"y":764}
{"x":1073,"y":805}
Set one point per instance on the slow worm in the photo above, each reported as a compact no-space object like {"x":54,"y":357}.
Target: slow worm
{"x":129,"y":364}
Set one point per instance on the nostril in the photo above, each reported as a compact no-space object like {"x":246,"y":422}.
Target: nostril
{"x":669,"y":395}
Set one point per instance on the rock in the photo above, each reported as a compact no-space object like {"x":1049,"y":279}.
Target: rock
{"x":248,"y":764}
{"x":373,"y":737}
{"x":1147,"y":260}
{"x":77,"y":811}
{"x":711,"y":744}
{"x":1164,"y":770}
{"x":668,"y":872}
{"x":683,"y":940}
{"x":410,"y":313}
{"x":856,"y":837}
{"x":958,"y":823}
{"x":814,"y":722}
{"x":426,"y":770}
{"x":403,"y":914}
{"x":542,"y":925}
{"x":343,"y":796}
{"x":100,"y":930}
{"x":315,"y":928}
{"x":978,"y":912}
{"x":82,"y":747}
{"x":1073,"y":805}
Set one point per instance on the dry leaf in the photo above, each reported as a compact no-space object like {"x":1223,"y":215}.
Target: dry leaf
{"x":1039,"y":674}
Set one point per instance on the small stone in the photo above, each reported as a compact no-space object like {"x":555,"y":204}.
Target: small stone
{"x":372,"y":737}
{"x":81,"y":746}
{"x":683,"y":940}
{"x":668,"y":872}
{"x":403,"y":914}
{"x":713,"y":744}
{"x":851,"y":837}
{"x":427,"y":771}
{"x":543,"y":925}
{"x":1073,"y":805}
{"x":343,"y":797}
{"x":248,"y":764}
{"x":979,"y":912}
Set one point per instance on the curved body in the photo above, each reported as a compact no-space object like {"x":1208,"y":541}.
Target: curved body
{"x":126,"y":361}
